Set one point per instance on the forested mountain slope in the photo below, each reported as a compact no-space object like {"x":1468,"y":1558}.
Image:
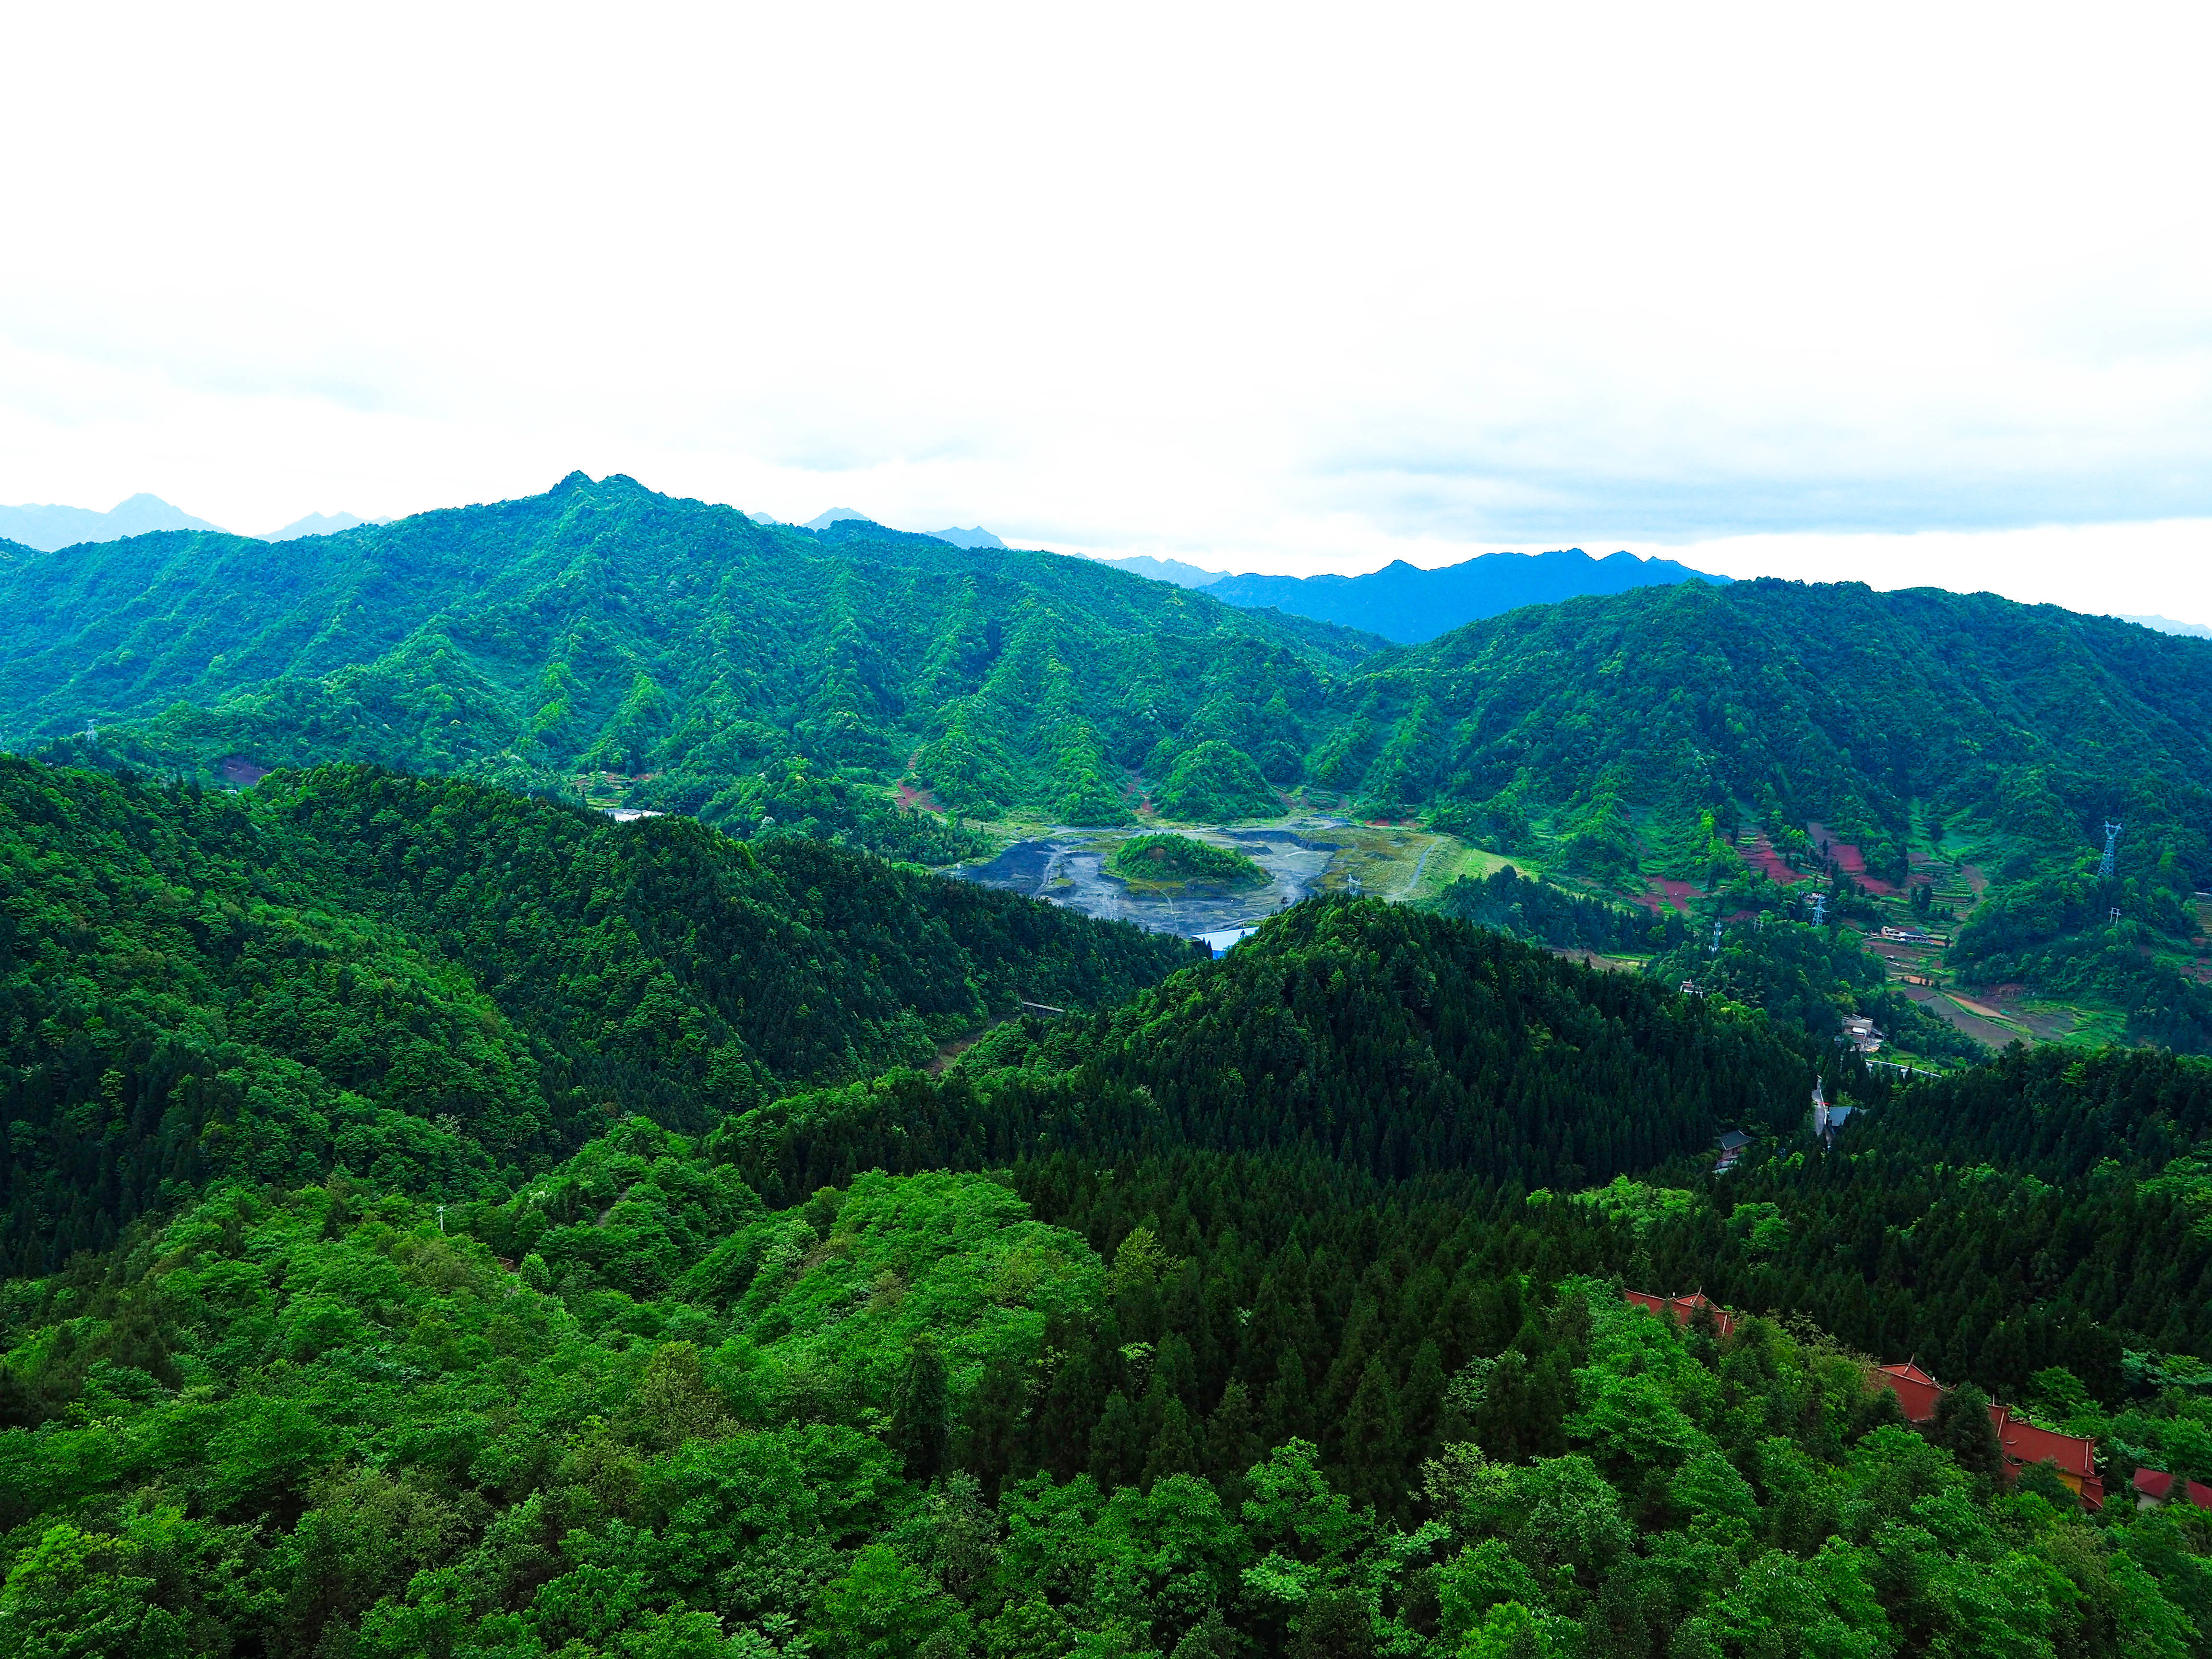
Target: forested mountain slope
{"x":1835,"y":703}
{"x":1394,"y":1041}
{"x":601,"y":627}
{"x":766,"y":677}
{"x":2049,"y":1208}
{"x":1202,"y":1405}
{"x":1215,"y":1319}
{"x":432,"y":983}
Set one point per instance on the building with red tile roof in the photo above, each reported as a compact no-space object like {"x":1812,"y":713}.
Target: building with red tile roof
{"x":2022,"y":1444}
{"x":1684,"y":1308}
{"x":1916,"y":1392}
{"x":2154,"y":1487}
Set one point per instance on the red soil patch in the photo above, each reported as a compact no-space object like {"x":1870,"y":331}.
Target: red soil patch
{"x":1676,"y":893}
{"x":917,"y":801}
{"x":238,"y":770}
{"x":1850,"y":860}
{"x":1761,"y":856}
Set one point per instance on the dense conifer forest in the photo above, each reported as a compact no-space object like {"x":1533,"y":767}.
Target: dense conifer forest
{"x":437,"y":983}
{"x":443,"y":1222}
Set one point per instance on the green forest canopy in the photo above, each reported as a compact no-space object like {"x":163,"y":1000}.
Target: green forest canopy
{"x":1244,"y":1311}
{"x":437,"y":984}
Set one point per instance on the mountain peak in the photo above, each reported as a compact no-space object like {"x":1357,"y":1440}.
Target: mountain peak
{"x":977,"y":537}
{"x":54,"y":526}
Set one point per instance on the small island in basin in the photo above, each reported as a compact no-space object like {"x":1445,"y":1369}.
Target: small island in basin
{"x":1166,"y":860}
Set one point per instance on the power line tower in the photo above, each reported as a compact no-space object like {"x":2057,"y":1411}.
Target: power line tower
{"x":1819,"y":909}
{"x":92,"y":731}
{"x":1715,"y":949}
{"x":2112,"y":827}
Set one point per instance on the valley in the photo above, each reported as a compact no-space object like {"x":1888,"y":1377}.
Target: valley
{"x":1303,"y":856}
{"x":1254,"y":1055}
{"x":588,"y":1079}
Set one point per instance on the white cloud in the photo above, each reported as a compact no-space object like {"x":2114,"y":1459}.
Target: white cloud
{"x":1277,"y":287}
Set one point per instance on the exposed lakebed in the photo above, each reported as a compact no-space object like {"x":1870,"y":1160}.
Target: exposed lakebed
{"x":1067,"y":866}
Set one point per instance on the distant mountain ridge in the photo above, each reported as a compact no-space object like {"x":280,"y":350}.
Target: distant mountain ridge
{"x":1167,"y":570}
{"x":49,"y":528}
{"x":2167,"y":625}
{"x":320,"y":523}
{"x":974,"y":537}
{"x":1408,"y":604}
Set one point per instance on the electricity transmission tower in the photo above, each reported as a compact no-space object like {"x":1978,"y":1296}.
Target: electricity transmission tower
{"x":1819,"y":909}
{"x":2112,"y":827}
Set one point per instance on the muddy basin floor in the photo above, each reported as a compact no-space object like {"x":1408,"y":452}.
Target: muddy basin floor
{"x":1067,"y":866}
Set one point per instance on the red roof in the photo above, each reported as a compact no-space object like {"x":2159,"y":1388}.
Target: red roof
{"x":1916,"y":1392}
{"x":2158,"y":1485}
{"x":2074,"y":1457}
{"x":1684,"y":1308}
{"x":2023,"y":1442}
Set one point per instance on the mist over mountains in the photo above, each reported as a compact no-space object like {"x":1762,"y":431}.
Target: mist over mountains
{"x":49,"y":528}
{"x":320,"y":523}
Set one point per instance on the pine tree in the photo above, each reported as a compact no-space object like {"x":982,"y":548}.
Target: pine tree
{"x":1174,"y":1451}
{"x":1232,"y":1445}
{"x":1068,"y":1412}
{"x":1962,"y":1428}
{"x":919,"y":1413}
{"x":1287,"y":1413}
{"x":1421,"y":1401}
{"x":1523,"y":1414}
{"x":993,"y":1442}
{"x":1117,"y":1446}
{"x":1335,"y":1625}
{"x":1373,"y":1459}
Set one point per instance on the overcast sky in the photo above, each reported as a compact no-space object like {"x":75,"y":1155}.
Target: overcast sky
{"x":1264,"y":287}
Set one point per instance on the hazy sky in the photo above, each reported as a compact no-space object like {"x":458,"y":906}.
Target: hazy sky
{"x":1264,"y":287}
